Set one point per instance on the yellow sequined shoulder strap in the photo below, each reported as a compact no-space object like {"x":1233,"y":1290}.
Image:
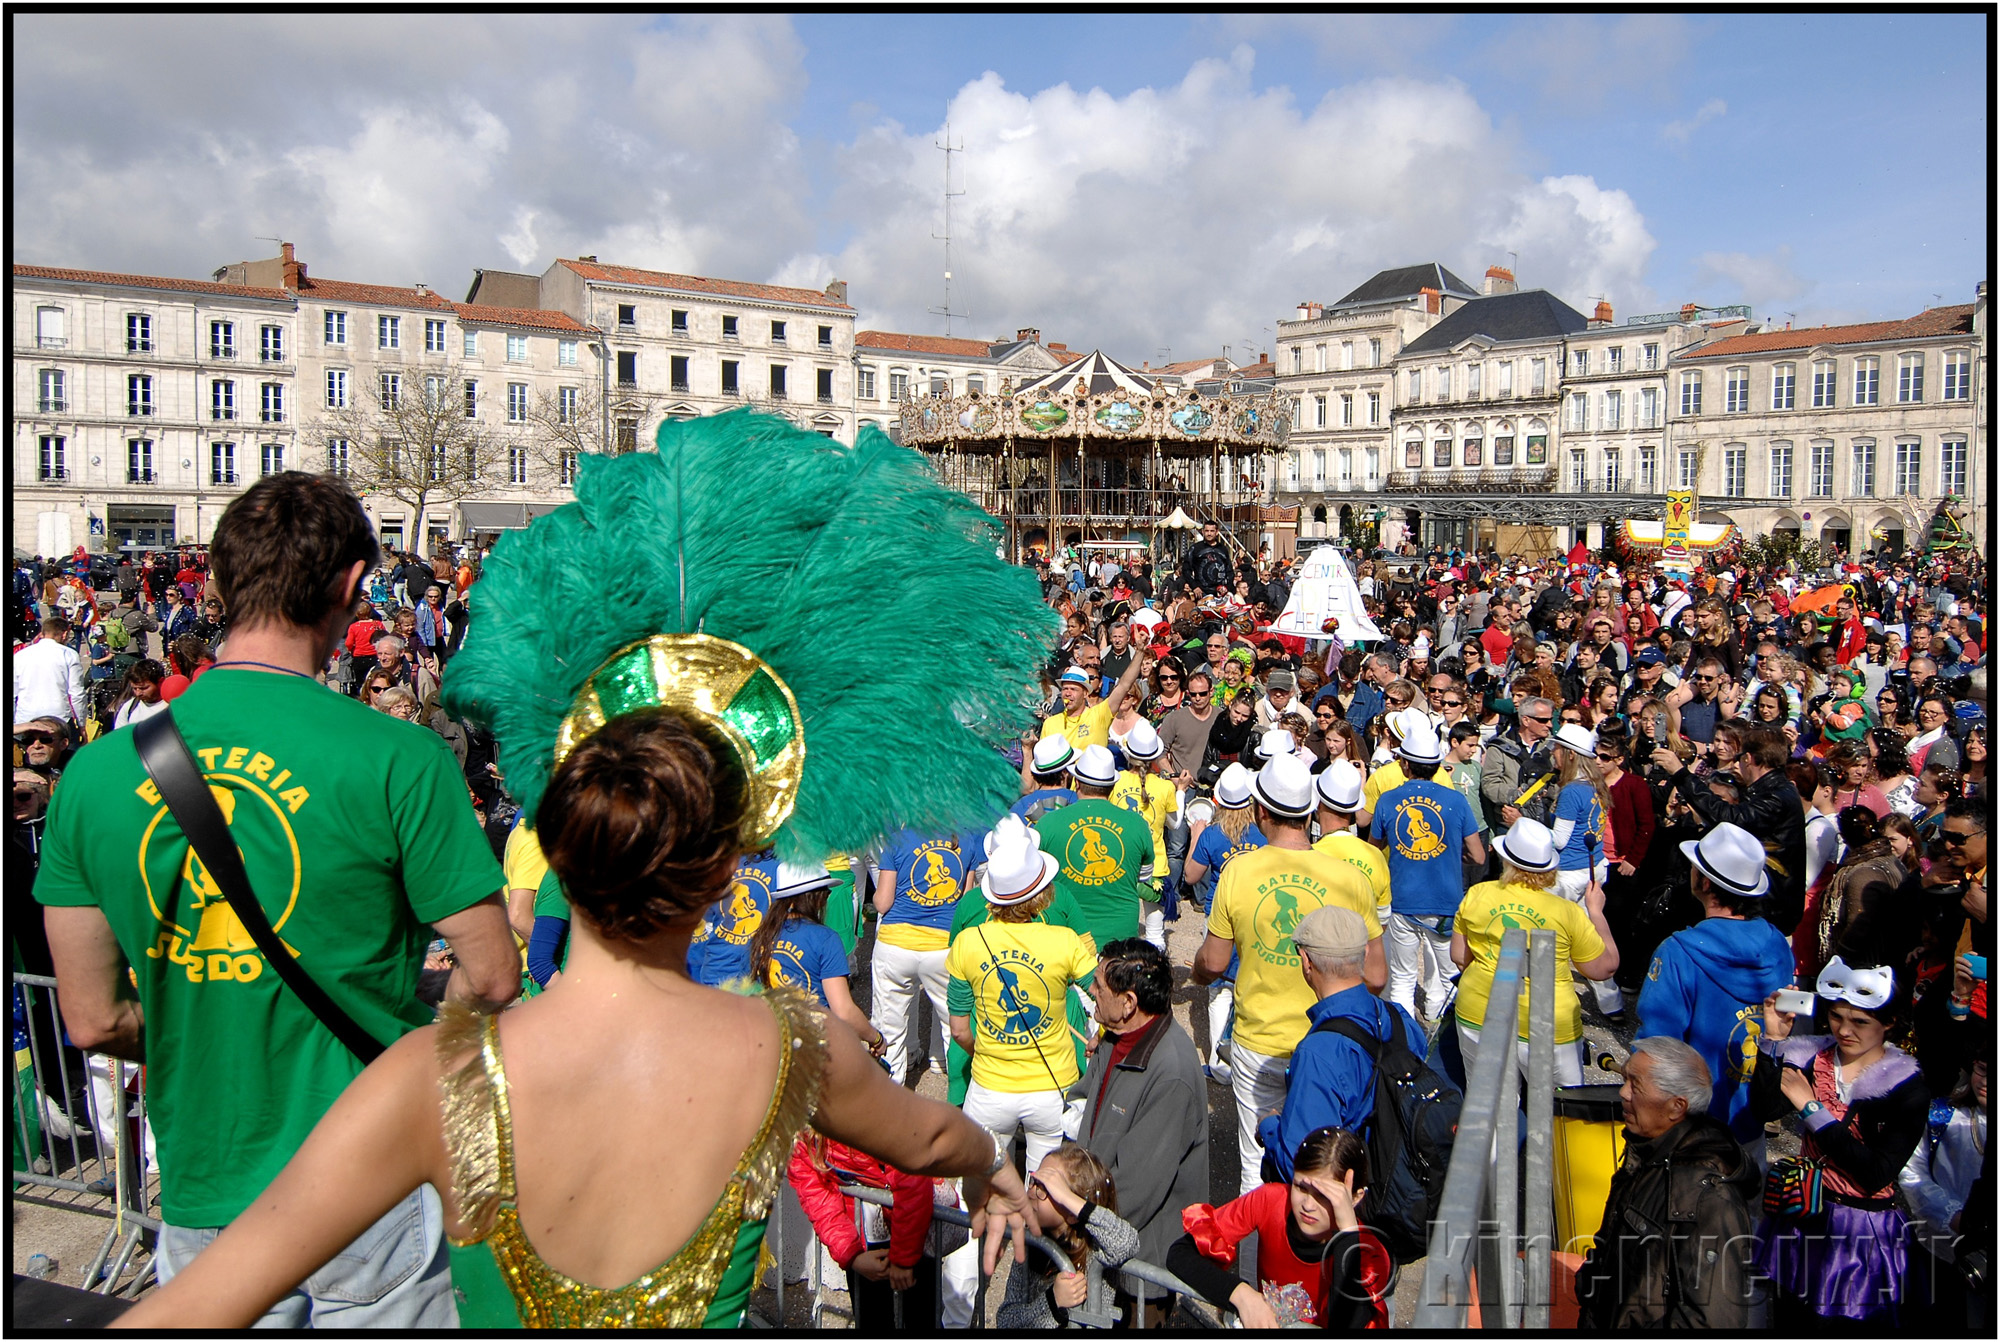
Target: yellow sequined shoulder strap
{"x":801,"y":1071}
{"x":478,"y":1130}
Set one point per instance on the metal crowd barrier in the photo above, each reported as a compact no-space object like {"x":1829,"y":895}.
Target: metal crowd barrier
{"x":1479,"y":1218}
{"x":1137,"y":1278}
{"x":55,"y":1151}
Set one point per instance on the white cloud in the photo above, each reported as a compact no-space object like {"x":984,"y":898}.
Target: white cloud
{"x":1679,"y":132}
{"x":1583,"y":61}
{"x":1196,"y":214}
{"x":1761,"y":280}
{"x":1193,"y":214}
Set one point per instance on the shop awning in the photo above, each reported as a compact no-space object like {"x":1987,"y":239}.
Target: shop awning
{"x":493,"y":516}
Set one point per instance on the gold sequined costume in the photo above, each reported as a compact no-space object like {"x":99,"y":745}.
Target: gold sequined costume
{"x":504,"y":1283}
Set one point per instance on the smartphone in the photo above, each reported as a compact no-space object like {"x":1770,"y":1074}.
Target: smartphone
{"x":1795,"y":1002}
{"x":1977,"y":964}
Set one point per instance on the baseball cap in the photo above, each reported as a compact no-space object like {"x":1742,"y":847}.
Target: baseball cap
{"x":1331,"y":929}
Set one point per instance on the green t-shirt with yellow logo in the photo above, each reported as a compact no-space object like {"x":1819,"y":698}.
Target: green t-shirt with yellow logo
{"x":357,"y":834}
{"x":1101,"y":847}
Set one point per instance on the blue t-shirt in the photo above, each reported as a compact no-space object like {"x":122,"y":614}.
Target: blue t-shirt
{"x":1425,"y":823}
{"x":930,"y":876}
{"x":1213,"y":850}
{"x":1041,"y":801}
{"x":720,"y":950}
{"x":807,"y":954}
{"x":1578,"y":803}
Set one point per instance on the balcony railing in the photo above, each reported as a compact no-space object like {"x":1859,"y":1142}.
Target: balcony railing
{"x":826,"y":398}
{"x":734,"y":393}
{"x":628,"y":384}
{"x":778,"y":394}
{"x":135,"y":476}
{"x":680,"y":386}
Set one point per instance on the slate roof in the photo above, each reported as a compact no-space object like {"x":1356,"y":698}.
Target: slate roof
{"x":1533,"y":314}
{"x":1407,"y":282}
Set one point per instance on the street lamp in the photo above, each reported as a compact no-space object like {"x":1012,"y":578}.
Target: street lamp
{"x":601,"y":348}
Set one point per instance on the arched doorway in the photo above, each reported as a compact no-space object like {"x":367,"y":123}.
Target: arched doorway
{"x":1836,"y":531}
{"x":1887,"y":536}
{"x":1345,"y":520}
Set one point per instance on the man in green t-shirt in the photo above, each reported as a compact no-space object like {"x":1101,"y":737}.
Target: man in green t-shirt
{"x":1101,"y":846}
{"x":358,"y":837}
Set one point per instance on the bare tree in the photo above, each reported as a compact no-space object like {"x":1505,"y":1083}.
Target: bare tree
{"x":409,"y":438}
{"x":567,"y":423}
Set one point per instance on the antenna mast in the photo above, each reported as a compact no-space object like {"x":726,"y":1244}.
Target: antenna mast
{"x":945,"y":237}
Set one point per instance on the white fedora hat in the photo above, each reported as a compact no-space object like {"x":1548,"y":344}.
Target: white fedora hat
{"x":1143,"y":743}
{"x":1528,"y":845}
{"x":1016,"y":867}
{"x":1232,"y":790}
{"x":1095,"y":767}
{"x":1420,"y":744}
{"x":1275,"y":742}
{"x":1339,"y":786}
{"x":1577,"y":737}
{"x":1285,"y":787}
{"x":1732,"y":857}
{"x":1053,"y":755}
{"x":798,"y":880}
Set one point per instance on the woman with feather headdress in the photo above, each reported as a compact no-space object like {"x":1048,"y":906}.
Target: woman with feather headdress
{"x":609,"y":1151}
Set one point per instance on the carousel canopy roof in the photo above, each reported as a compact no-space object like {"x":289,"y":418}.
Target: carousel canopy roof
{"x":1102,"y":373}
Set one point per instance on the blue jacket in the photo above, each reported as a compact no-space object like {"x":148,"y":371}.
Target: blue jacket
{"x":1366,"y":705}
{"x":1330,"y":1081}
{"x":1706,"y":987}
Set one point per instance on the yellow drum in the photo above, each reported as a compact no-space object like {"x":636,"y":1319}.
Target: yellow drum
{"x":1589,"y":1144}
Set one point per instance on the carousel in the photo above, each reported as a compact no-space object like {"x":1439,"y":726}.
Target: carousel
{"x":1095,"y":456}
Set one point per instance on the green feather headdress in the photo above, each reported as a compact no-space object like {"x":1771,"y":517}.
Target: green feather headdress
{"x":872,"y":593}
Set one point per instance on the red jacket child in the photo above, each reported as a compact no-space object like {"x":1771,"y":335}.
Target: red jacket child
{"x":818,"y":1169}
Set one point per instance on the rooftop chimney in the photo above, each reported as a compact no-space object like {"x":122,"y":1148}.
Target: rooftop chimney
{"x":1499,"y":280}
{"x":836,"y":290}
{"x":1309,"y":310}
{"x":294,"y":271}
{"x":1030,"y":334}
{"x":1602,"y":316}
{"x":1431,"y":297}
{"x":1688,"y":310}
{"x":592,"y":258}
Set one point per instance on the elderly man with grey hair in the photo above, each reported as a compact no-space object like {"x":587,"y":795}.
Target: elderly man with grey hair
{"x":1330,"y":1080}
{"x":1676,"y":1244}
{"x":392,"y":661}
{"x":1515,"y":761}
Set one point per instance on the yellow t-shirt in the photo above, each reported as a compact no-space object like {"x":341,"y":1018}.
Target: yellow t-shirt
{"x":1489,"y":909}
{"x":1260,"y":898}
{"x":1019,"y":975}
{"x":522,"y":859}
{"x":1351,"y":848}
{"x":1091,"y":727}
{"x":524,"y":865}
{"x":1384,"y":779}
{"x":1152,"y":797}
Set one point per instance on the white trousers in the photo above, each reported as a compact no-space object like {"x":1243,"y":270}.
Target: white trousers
{"x":1221,"y":1016}
{"x":1259,"y":1083}
{"x":1415,"y":951}
{"x":1569,"y":1057}
{"x":1040,"y":1112}
{"x":897,"y":974}
{"x":1573,"y":886}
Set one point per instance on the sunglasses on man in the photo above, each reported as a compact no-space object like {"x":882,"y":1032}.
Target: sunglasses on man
{"x":1958,"y":838}
{"x":36,"y":737}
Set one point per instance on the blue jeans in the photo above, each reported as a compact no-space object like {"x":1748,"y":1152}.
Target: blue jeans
{"x":397,"y":1275}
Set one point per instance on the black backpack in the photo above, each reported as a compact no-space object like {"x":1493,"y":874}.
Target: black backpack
{"x":1409,"y":1139}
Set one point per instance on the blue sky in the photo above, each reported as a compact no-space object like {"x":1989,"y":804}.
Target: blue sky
{"x":1135,"y":181}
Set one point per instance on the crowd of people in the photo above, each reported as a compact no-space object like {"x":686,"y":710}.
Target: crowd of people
{"x":1755,"y":823}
